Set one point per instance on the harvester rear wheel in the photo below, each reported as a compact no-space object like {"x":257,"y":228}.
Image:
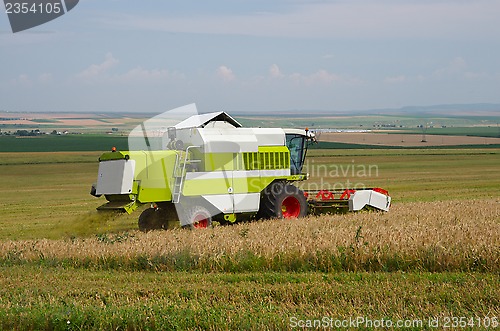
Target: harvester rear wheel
{"x":151,"y":219}
{"x":282,"y":200}
{"x":197,"y":217}
{"x":170,"y":218}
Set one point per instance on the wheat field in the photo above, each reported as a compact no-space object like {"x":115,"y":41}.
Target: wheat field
{"x":436,"y":236}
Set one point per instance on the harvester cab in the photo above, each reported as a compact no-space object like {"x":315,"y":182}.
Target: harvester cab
{"x":212,"y":169}
{"x":297,"y":142}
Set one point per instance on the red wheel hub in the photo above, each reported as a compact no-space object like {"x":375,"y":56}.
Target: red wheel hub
{"x":290,"y":207}
{"x":200,"y":221}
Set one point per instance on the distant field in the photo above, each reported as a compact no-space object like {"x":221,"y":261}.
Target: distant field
{"x":406,"y":140}
{"x":62,"y":143}
{"x":386,"y":131}
{"x":455,"y":123}
{"x":492,"y":131}
{"x":94,"y":142}
{"x":99,"y":122}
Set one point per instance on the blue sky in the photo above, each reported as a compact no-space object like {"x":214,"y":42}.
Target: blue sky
{"x":244,"y":55}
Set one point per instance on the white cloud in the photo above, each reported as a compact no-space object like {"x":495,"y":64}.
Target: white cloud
{"x":459,"y":68}
{"x":476,"y":75}
{"x":322,"y":76}
{"x":140,"y":74}
{"x":456,"y":66}
{"x":225,"y":73}
{"x":23,"y":79}
{"x":101,"y":73}
{"x":395,"y":79}
{"x":26,"y":80}
{"x":96,"y":70}
{"x":275,"y":72}
{"x":45,"y":78}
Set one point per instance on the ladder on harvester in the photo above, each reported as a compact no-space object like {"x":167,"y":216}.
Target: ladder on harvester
{"x":180,"y":172}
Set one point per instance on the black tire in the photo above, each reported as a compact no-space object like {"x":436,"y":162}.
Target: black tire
{"x":169,"y":215}
{"x":282,"y":200}
{"x":151,"y":219}
{"x":196,"y":217}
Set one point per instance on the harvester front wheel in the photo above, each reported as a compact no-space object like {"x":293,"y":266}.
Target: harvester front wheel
{"x":283,"y":201}
{"x":197,"y":217}
{"x":151,"y":219}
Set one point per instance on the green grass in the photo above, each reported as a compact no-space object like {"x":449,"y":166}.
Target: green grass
{"x":62,"y":143}
{"x":50,"y":199}
{"x":44,"y":120}
{"x":57,"y":298}
{"x":17,"y":158}
{"x":91,"y":142}
{"x":411,"y":175}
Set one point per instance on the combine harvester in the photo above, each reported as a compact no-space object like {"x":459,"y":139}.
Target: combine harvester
{"x":212,"y":169}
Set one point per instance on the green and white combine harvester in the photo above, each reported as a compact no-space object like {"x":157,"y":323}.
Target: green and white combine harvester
{"x":212,"y":169}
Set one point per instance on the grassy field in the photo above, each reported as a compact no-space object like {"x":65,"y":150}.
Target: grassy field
{"x":61,"y":143}
{"x":103,"y":122}
{"x":412,"y":175}
{"x":49,"y":196}
{"x":434,"y":255}
{"x":474,"y":131}
{"x":62,"y":298}
{"x":408,"y":140}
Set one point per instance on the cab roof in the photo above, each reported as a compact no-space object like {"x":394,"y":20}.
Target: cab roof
{"x":200,"y":121}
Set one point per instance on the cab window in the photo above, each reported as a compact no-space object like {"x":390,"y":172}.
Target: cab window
{"x":295,"y":143}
